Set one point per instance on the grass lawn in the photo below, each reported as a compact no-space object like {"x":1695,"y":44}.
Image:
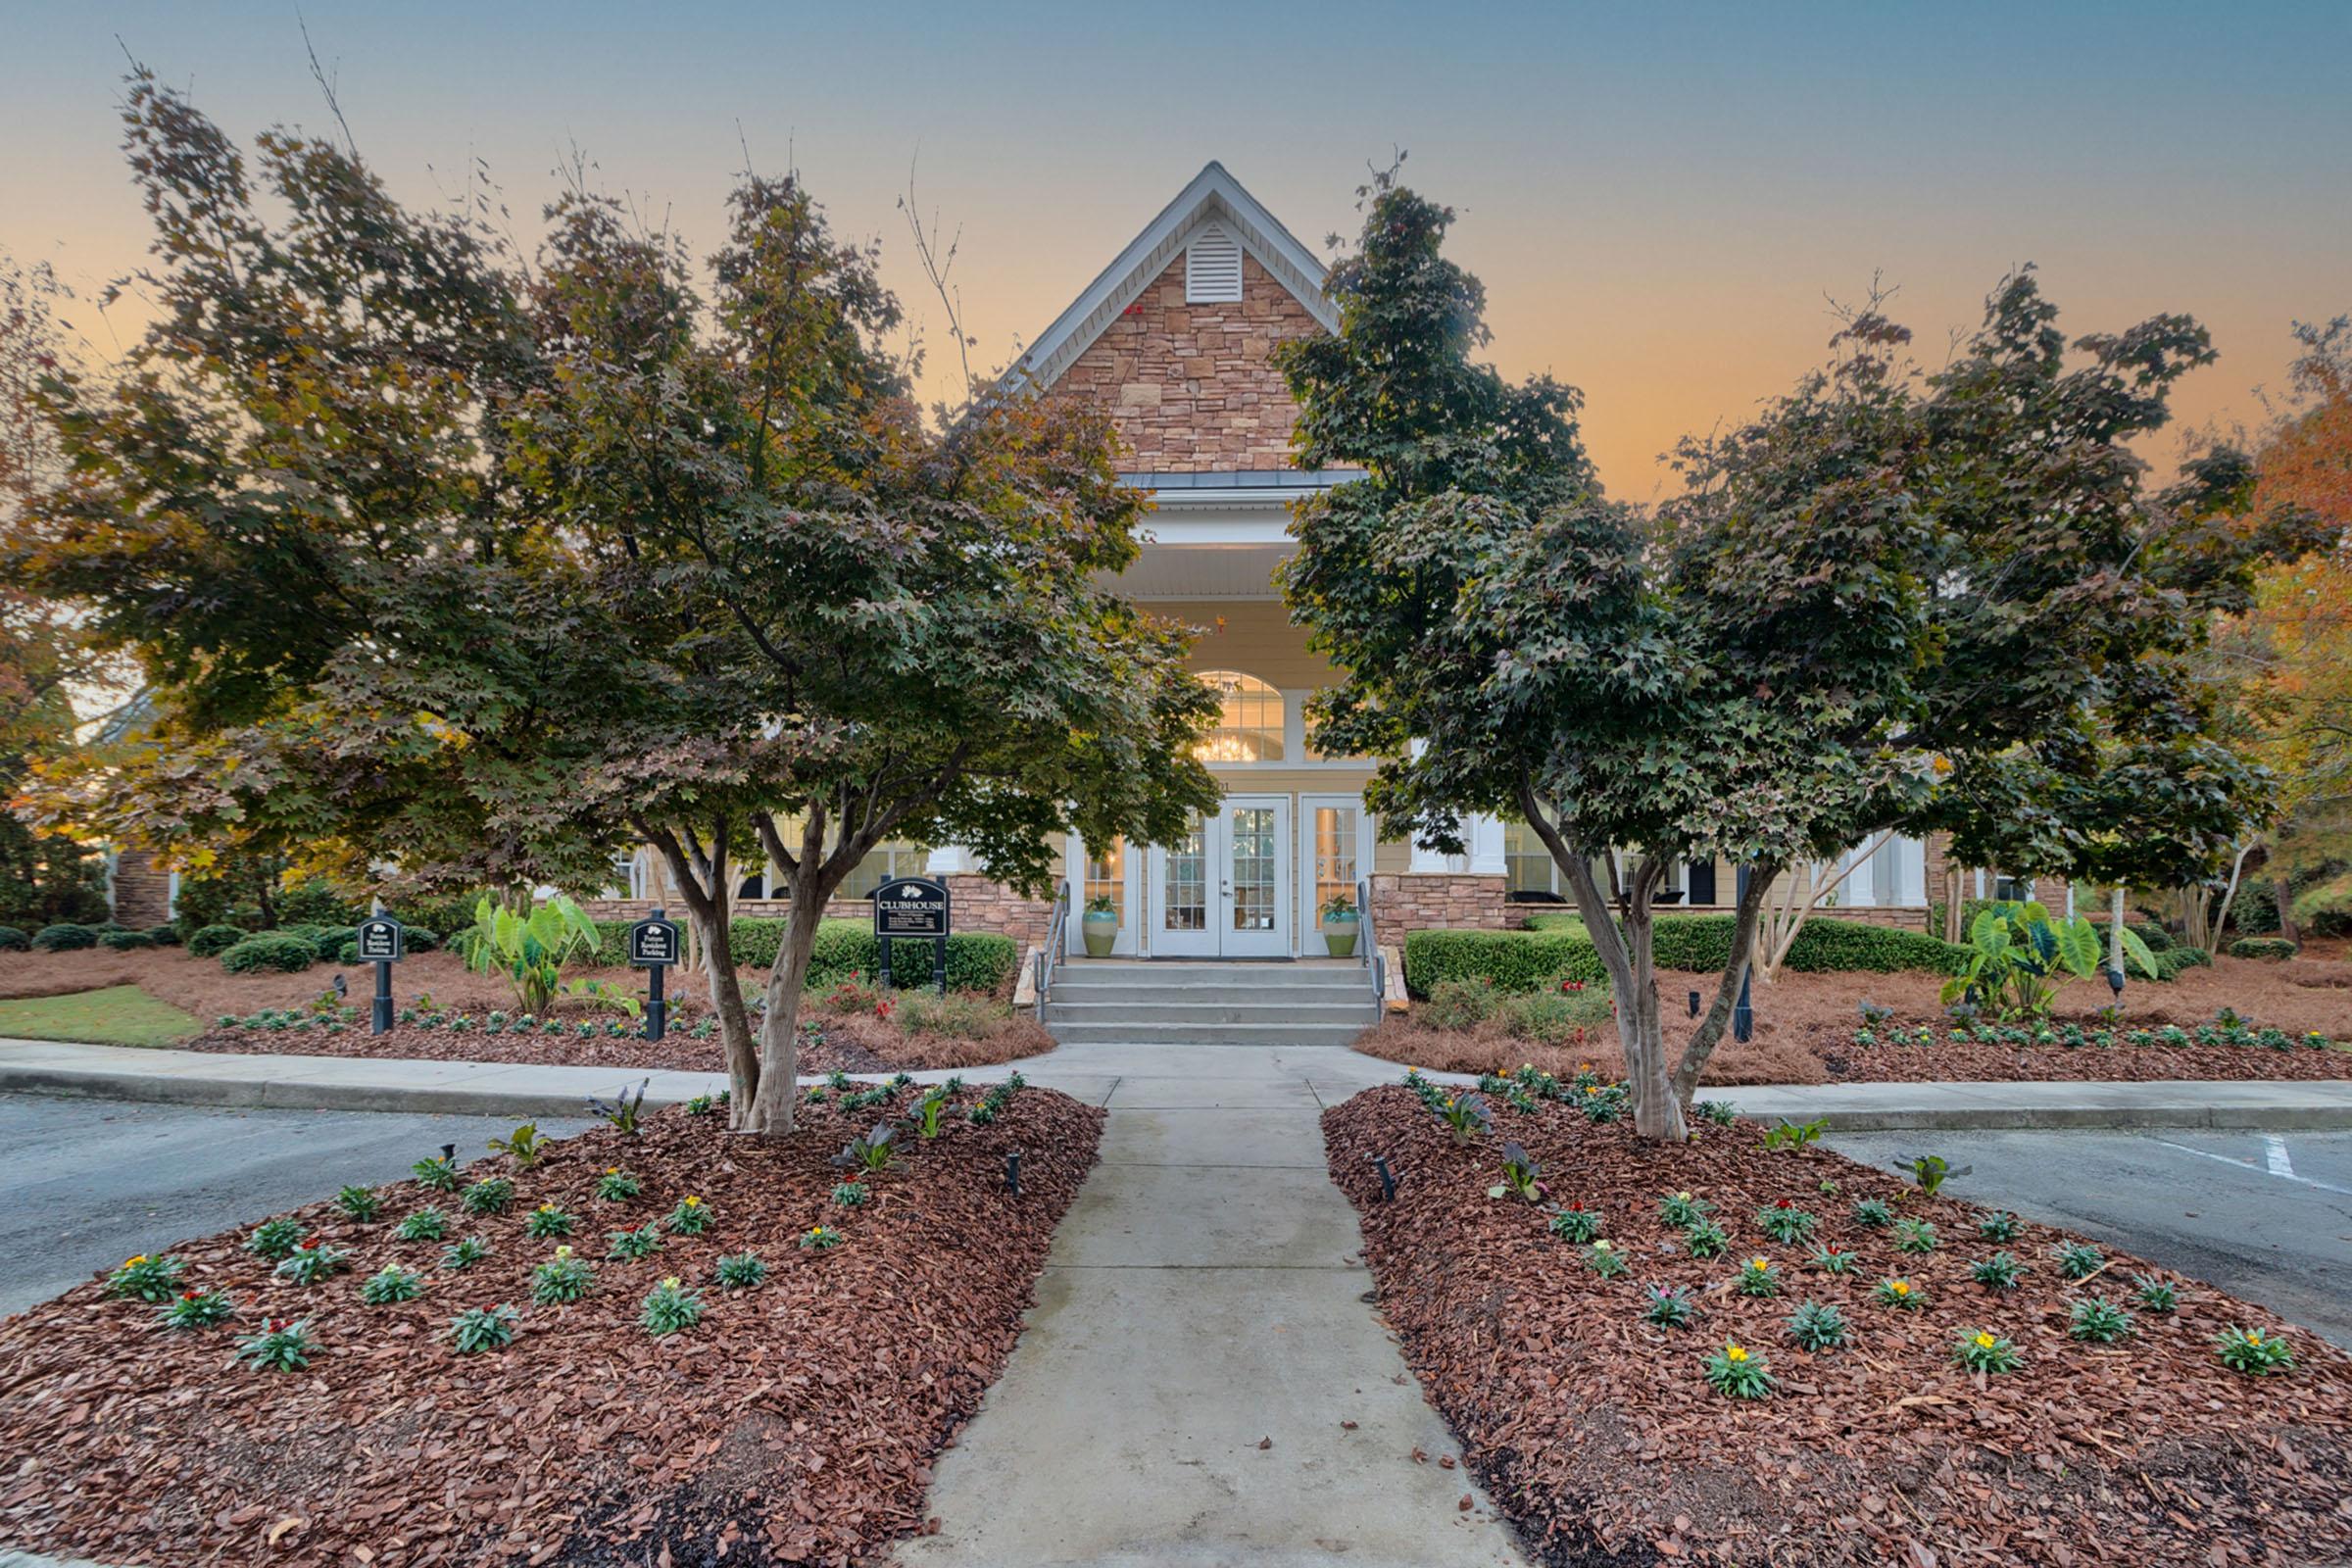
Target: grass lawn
{"x":117,"y":1015}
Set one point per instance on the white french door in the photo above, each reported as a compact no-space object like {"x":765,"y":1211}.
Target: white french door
{"x":1223,"y":889}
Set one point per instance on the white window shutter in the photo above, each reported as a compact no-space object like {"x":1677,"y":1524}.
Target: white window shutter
{"x":1212,"y":267}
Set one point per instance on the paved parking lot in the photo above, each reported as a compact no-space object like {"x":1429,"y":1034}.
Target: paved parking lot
{"x":91,"y":1181}
{"x":2264,"y":1216}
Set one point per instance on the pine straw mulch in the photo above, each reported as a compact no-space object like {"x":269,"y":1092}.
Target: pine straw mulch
{"x":798,"y":1422}
{"x":1598,"y":1435}
{"x":849,"y":1043}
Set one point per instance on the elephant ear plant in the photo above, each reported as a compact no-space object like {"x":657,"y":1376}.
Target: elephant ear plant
{"x":529,"y":950}
{"x":871,"y":1152}
{"x":2017,"y":957}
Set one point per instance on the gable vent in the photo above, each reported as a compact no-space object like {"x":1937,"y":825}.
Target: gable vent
{"x":1212,"y":267}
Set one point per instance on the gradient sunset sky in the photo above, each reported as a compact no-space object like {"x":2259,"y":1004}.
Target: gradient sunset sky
{"x":1658,"y":197}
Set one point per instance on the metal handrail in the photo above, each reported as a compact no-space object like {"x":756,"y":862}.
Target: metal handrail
{"x":1369,"y":944}
{"x":1057,"y":928}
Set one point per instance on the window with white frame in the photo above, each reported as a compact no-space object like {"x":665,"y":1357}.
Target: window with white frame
{"x":1249,"y":719}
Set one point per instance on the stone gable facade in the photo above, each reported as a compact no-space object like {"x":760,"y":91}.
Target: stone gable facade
{"x":1193,"y":387}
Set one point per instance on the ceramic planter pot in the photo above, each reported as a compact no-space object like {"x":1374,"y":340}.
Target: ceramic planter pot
{"x":1102,"y":932}
{"x":1339,"y":936}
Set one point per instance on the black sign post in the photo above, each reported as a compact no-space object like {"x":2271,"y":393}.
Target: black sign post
{"x":913,"y":907}
{"x":654,"y":948}
{"x":383,"y":942}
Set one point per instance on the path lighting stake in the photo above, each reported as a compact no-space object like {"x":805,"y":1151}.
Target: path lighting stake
{"x":2115,"y":981}
{"x":1693,"y":1003}
{"x":1744,"y":1016}
{"x":383,"y":942}
{"x":1387,"y":1181}
{"x":654,"y":948}
{"x":1013,"y":1173}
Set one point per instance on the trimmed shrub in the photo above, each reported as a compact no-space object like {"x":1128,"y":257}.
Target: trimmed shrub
{"x":279,"y":951}
{"x":2171,"y":962}
{"x":1507,"y":961}
{"x":454,"y":911}
{"x":13,"y":940}
{"x":1527,"y":960}
{"x":349,"y":954}
{"x":63,"y":938}
{"x":2255,"y":913}
{"x":125,"y":941}
{"x":327,"y":941}
{"x":419,"y":939}
{"x":2157,"y":938}
{"x":984,"y":962}
{"x":164,"y":936}
{"x":315,"y":901}
{"x":1462,"y":1003}
{"x":2270,"y":948}
{"x":211,"y":941}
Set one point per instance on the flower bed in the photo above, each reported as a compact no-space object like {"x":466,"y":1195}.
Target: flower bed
{"x":1603,"y":1428}
{"x":818,"y":1354}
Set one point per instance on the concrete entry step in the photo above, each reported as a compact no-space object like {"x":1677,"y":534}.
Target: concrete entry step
{"x":1071,"y":1010}
{"x":1127,"y":1032}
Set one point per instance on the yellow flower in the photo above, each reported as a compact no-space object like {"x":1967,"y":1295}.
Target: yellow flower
{"x":816,"y":1230}
{"x":612,"y":1170}
{"x":1733,"y":1353}
{"x":547,"y":1208}
{"x":670,"y":1283}
{"x":2253,"y":1336}
{"x":1602,"y":1247}
{"x":1684,"y":1197}
{"x":1983,"y":1339}
{"x":134,"y":1263}
{"x":694,"y":1202}
{"x":562,"y":1251}
{"x":1900,"y":1287}
{"x":1448,"y":1101}
{"x":1591,"y":1089}
{"x":1759,"y":1264}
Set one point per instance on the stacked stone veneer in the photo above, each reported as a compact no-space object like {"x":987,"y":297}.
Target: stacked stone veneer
{"x":1439,"y":900}
{"x":1192,"y":388}
{"x":976,"y":905}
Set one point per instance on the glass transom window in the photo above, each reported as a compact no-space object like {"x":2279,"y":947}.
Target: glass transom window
{"x":1249,"y":722}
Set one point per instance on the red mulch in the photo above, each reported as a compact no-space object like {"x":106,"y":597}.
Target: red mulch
{"x":1597,"y":1435}
{"x":848,"y":1044}
{"x":798,"y":1422}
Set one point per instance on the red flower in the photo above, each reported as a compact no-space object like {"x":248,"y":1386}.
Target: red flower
{"x":1576,"y":1205}
{"x":190,"y":1296}
{"x":1783,"y":1203}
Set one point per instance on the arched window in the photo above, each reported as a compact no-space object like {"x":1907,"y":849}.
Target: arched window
{"x":1249,"y":725}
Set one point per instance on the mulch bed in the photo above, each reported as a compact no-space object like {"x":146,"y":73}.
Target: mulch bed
{"x":797,"y":1422}
{"x":1598,"y":1435}
{"x":847,"y":1045}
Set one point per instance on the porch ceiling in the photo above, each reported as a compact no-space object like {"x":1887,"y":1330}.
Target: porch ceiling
{"x":1204,"y":572}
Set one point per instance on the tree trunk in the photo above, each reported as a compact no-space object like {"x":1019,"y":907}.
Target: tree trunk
{"x":2221,"y":919}
{"x":2196,"y":905}
{"x":2115,"y":928}
{"x":708,"y":911}
{"x":779,"y":1026}
{"x":1951,"y":903}
{"x":2287,"y":910}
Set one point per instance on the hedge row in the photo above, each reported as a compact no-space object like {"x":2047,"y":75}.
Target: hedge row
{"x":983,"y":962}
{"x":1522,"y":961}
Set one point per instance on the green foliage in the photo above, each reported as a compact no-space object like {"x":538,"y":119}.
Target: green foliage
{"x":1817,"y":1326}
{"x":524,"y":1145}
{"x":617,"y":1186}
{"x":530,"y":949}
{"x":125,"y":941}
{"x":1520,"y":1173}
{"x":13,"y":940}
{"x":1914,"y":1236}
{"x":563,"y":1279}
{"x":739,"y":1271}
{"x":1669,"y":1306}
{"x":1535,"y":960}
{"x":274,"y":1238}
{"x":464,"y":1254}
{"x":546,"y":1222}
{"x":2154,"y":1294}
{"x":492,"y":1194}
{"x":283,"y":1344}
{"x":478,"y":1329}
{"x":821,"y":1239}
{"x":390,"y":1285}
{"x":197,"y":1309}
{"x":1739,"y":1373}
{"x":2098,"y":1320}
{"x":147,"y":1279}
{"x":691,"y":1217}
{"x":312,"y":1261}
{"x":285,"y":954}
{"x":426,"y":1224}
{"x":1999,"y":1272}
{"x":437,"y":1172}
{"x":1681,"y":1208}
{"x":2254,"y":1353}
{"x":2272,"y":949}
{"x":1576,"y":1223}
{"x":1785,"y":1222}
{"x":1873,"y":1213}
{"x":2170,"y":962}
{"x":315,"y":901}
{"x":1998,"y":1225}
{"x":2018,"y":956}
{"x":2078,"y":1261}
{"x":1830,"y":1260}
{"x":642,"y":1241}
{"x":1603,"y":1260}
{"x":1703,"y":1238}
{"x":360,"y":1203}
{"x":1905,"y":1295}
{"x":211,"y":941}
{"x":164,"y":936}
{"x":1759,"y":1276}
{"x":65,"y":937}
{"x":1795,"y":1137}
{"x":670,"y":1308}
{"x":1982,"y":1351}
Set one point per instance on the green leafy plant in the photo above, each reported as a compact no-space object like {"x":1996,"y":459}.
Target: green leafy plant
{"x":493,"y":1194}
{"x":274,"y":1238}
{"x":642,"y":1241}
{"x":1464,"y":1115}
{"x":440,"y":1173}
{"x":1681,"y":1209}
{"x":1785,"y":1222}
{"x":670,"y":1308}
{"x":1928,"y":1172}
{"x":740,"y":1271}
{"x":1759,"y":1276}
{"x":1796,"y":1137}
{"x":1706,"y":1239}
{"x":2253,"y":1352}
{"x":148,"y":1279}
{"x":285,"y":954}
{"x":197,"y":1309}
{"x":310,"y":1262}
{"x":869,"y":1152}
{"x":1997,"y":1225}
{"x":1914,"y":1236}
{"x":391,"y":1284}
{"x":1603,"y":1260}
{"x":427,"y":1224}
{"x":1830,"y":1260}
{"x":617,"y":1186}
{"x":2017,"y":957}
{"x":1873,"y":1213}
{"x":1982,"y":1351}
{"x":464,"y":1254}
{"x":563,"y":1279}
{"x":1576,"y":1223}
{"x":2098,"y":1320}
{"x":1669,"y":1306}
{"x":1817,"y":1326}
{"x":850,"y":1194}
{"x":1738,"y":1374}
{"x":283,"y":1344}
{"x":1999,"y":1272}
{"x":530,"y":949}
{"x":928,"y":1110}
{"x":2078,"y":1261}
{"x":821,"y":1239}
{"x":546,"y":1221}
{"x":597,"y":994}
{"x":523,"y":1143}
{"x":2154,"y":1294}
{"x":360,"y":1203}
{"x":478,"y":1329}
{"x":704,"y":1105}
{"x":1520,"y":1175}
{"x":691,"y":1217}
{"x":1899,"y":1293}
{"x":1718,"y":1111}
{"x":624,"y":1111}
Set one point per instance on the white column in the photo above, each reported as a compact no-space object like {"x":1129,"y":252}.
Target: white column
{"x":1484,"y":836}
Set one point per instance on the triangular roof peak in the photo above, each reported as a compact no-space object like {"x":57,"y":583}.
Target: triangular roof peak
{"x":1212,"y":196}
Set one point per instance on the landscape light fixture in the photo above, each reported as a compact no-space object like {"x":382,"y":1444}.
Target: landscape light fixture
{"x":1693,"y":1003}
{"x":1388,"y":1179}
{"x":1013,"y":1173}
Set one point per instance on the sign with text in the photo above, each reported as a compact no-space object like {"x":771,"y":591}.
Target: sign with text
{"x":911,"y":906}
{"x":382,"y":939}
{"x":654,"y":943}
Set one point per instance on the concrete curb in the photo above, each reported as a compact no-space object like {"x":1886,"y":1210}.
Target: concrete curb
{"x":522,"y":1090}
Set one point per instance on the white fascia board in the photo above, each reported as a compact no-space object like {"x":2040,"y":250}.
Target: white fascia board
{"x":1206,"y":527}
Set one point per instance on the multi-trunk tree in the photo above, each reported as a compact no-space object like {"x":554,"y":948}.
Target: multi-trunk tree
{"x":490,"y":570}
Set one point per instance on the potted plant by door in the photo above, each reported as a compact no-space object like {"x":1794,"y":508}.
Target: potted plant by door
{"x":1340,"y":922}
{"x":1099,"y":925}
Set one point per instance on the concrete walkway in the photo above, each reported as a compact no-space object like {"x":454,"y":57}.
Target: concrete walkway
{"x":1201,"y":1381}
{"x":1091,"y":1072}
